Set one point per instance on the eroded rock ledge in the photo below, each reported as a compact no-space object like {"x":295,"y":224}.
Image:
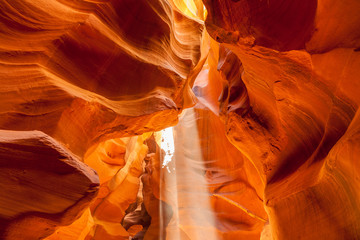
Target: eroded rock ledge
{"x":43,"y":185}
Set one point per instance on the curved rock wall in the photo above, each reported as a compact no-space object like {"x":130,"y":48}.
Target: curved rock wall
{"x":269,"y":150}
{"x":85,"y":71}
{"x":289,"y":103}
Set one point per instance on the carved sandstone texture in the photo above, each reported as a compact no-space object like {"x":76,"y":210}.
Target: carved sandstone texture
{"x":119,"y":163}
{"x":285,"y":72}
{"x":290,"y":102}
{"x":43,"y":185}
{"x":87,"y":71}
{"x":118,"y":193}
{"x":230,"y":176}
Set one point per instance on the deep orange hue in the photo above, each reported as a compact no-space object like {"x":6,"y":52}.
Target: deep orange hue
{"x":263,"y":97}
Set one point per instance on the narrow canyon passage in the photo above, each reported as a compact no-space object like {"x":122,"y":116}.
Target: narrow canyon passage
{"x":179,"y":119}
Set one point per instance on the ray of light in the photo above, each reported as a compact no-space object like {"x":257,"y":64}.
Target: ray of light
{"x":186,"y":187}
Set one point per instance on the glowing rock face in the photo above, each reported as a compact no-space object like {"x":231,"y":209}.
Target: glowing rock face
{"x":85,"y":72}
{"x":291,"y":113}
{"x":269,"y":150}
{"x":231,"y":179}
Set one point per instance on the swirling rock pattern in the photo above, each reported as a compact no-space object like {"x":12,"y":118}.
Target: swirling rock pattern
{"x":289,"y":106}
{"x":85,"y":71}
{"x":269,"y":151}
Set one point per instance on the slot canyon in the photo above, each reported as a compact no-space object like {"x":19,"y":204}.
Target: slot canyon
{"x":179,"y":119}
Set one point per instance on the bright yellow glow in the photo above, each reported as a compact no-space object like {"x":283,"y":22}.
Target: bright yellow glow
{"x":192,"y":8}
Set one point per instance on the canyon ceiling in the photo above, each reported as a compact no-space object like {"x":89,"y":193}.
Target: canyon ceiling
{"x":179,"y":119}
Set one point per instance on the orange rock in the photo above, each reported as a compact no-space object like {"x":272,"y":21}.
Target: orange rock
{"x":269,"y":150}
{"x":77,"y":230}
{"x":84,"y":72}
{"x":109,"y":209}
{"x":44,"y":185}
{"x":293,"y":109}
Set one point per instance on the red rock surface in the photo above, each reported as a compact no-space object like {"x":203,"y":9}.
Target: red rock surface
{"x":263,"y":97}
{"x":43,"y":185}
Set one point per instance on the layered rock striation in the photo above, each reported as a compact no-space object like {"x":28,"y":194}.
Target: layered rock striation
{"x":289,"y":103}
{"x":266,"y":149}
{"x":84,"y":71}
